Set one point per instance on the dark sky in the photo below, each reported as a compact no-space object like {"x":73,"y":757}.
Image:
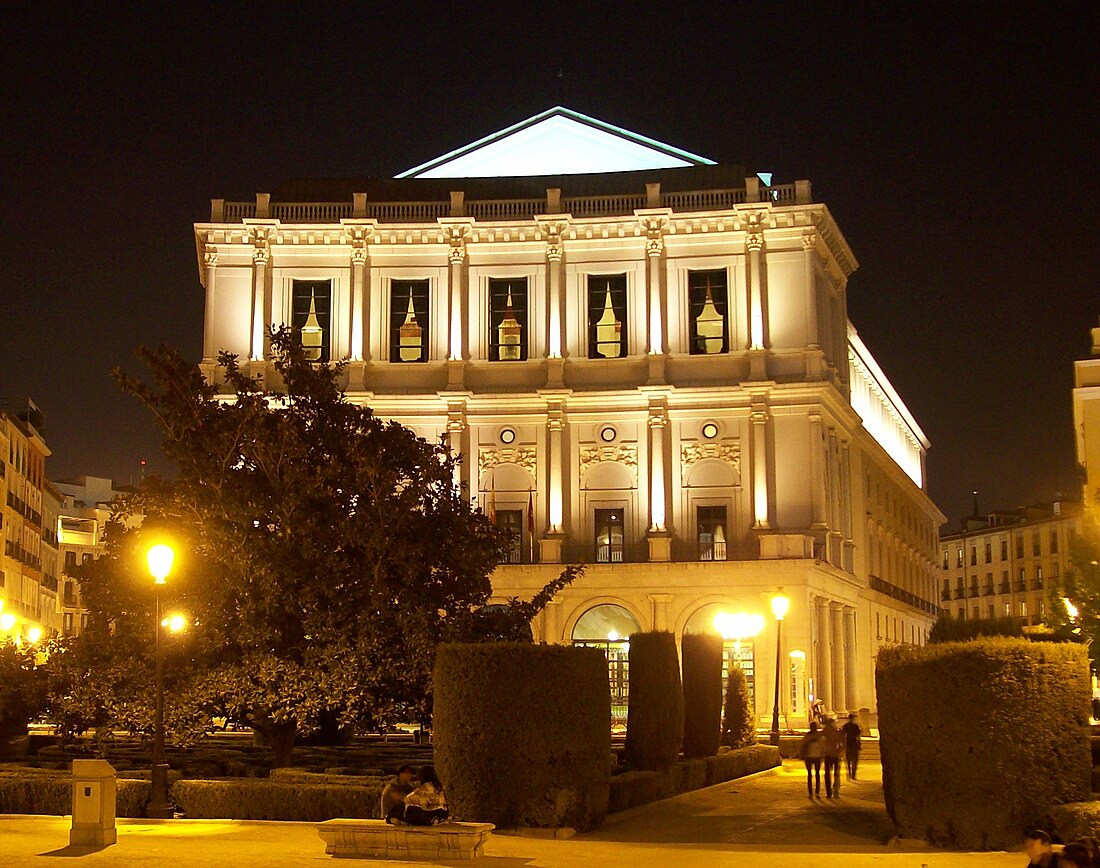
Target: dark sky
{"x":958,"y":155}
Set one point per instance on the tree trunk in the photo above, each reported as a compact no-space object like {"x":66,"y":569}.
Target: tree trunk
{"x":280,"y":737}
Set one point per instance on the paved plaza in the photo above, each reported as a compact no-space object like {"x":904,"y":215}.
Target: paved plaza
{"x":763,"y":820}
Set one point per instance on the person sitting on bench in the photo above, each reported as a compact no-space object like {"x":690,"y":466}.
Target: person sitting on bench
{"x":393,"y":796}
{"x":426,"y":805}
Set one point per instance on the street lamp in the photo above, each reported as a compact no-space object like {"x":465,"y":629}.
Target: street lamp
{"x":780,"y":605}
{"x":159,"y":558}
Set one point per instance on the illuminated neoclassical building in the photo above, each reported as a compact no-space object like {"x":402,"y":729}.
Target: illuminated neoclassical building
{"x":645,"y":361}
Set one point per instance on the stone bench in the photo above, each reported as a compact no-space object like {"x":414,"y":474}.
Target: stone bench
{"x":362,"y":839}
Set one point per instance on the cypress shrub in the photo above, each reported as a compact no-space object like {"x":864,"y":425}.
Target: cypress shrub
{"x":655,"y":717}
{"x":522,"y":733}
{"x":702,"y":667}
{"x":980,"y":739}
{"x":738,"y":725}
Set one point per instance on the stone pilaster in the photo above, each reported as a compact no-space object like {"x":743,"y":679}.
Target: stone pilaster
{"x":210,"y":262}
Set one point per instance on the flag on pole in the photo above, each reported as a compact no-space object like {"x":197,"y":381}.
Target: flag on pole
{"x":531,"y":521}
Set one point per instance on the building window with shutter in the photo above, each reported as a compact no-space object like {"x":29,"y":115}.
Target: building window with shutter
{"x":507,"y":319}
{"x":607,"y":316}
{"x":511,"y":520}
{"x":311,"y":317}
{"x":707,"y":316}
{"x":409,"y":321}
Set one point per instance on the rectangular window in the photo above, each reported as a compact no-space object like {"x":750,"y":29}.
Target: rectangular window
{"x":945,"y":559}
{"x":989,"y":553}
{"x":70,"y":559}
{"x":1036,"y":544}
{"x":609,"y":536}
{"x":707,"y":315}
{"x":1019,"y":545}
{"x":959,"y":557}
{"x":607,"y":316}
{"x":507,"y":319}
{"x":311,"y":316}
{"x":511,"y":520}
{"x":1004,"y":550}
{"x":992,"y":611}
{"x":1054,"y":542}
{"x":973,"y":556}
{"x":711,"y":523}
{"x":1023,"y":608}
{"x":409,"y":321}
{"x":962,"y":613}
{"x":1008,"y":609}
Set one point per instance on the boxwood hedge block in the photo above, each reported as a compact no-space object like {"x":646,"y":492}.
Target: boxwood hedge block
{"x":702,"y":668}
{"x":258,"y":799}
{"x":35,"y":791}
{"x":980,"y":739}
{"x":522,"y":733}
{"x":655,"y":717}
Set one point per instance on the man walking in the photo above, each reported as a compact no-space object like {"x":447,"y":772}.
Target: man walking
{"x":852,"y":745}
{"x":833,"y":743}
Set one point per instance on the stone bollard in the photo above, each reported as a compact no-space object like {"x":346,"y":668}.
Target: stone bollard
{"x":93,"y":804}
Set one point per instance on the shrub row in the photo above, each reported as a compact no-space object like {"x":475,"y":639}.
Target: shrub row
{"x":980,"y":739}
{"x":522,"y":733}
{"x":275,"y":800}
{"x":50,"y":793}
{"x":631,"y":789}
{"x":1074,"y":821}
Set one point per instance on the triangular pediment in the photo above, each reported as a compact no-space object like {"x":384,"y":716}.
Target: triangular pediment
{"x":558,"y":141}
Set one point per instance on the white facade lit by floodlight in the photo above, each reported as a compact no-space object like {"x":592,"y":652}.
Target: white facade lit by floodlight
{"x":644,"y":361}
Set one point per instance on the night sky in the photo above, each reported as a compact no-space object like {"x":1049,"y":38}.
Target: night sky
{"x":958,"y":156}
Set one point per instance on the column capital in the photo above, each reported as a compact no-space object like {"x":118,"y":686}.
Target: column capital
{"x":261,"y":254}
{"x":809,"y":239}
{"x":457,"y":232}
{"x":835,"y":606}
{"x":654,"y":222}
{"x":210,"y":256}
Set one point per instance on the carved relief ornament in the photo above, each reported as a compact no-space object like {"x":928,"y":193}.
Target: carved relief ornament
{"x":523,"y":456}
{"x":728,"y":451}
{"x":621,"y":452}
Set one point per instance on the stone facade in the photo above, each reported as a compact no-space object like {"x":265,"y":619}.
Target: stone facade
{"x":650,"y":371}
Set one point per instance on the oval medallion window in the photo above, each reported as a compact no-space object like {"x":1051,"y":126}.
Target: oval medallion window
{"x":508,"y":435}
{"x":608,"y":434}
{"x":710,"y":430}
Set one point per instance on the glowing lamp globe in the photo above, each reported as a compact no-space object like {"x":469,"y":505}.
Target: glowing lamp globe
{"x":7,"y":621}
{"x":175,"y":623}
{"x":34,"y":634}
{"x":780,"y":605}
{"x":160,"y":559}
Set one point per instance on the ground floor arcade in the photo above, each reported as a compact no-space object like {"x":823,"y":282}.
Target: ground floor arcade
{"x":824,"y":648}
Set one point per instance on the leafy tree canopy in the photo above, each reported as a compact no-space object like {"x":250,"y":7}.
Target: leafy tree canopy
{"x":322,"y":553}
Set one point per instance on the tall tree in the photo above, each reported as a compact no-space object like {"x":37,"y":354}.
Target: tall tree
{"x":1081,"y":587}
{"x":324,"y":552}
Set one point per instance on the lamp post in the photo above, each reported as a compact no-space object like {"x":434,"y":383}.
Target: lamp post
{"x":160,"y":559}
{"x":780,"y":605}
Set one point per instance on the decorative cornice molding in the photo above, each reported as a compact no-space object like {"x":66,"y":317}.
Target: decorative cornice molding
{"x":210,"y":256}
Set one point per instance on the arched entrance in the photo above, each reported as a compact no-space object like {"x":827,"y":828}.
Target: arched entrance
{"x":609,"y":627}
{"x":738,"y":630}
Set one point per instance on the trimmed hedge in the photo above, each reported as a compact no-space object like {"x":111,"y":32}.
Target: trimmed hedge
{"x":631,"y":789}
{"x":951,"y":629}
{"x":522,"y":733}
{"x":47,"y":792}
{"x":655,"y":717}
{"x":702,"y":668}
{"x":738,"y":725}
{"x":1075,"y":821}
{"x":980,"y":739}
{"x":259,"y":799}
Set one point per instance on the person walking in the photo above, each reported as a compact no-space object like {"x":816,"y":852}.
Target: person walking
{"x":833,"y":743}
{"x":853,"y":744}
{"x":810,"y":750}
